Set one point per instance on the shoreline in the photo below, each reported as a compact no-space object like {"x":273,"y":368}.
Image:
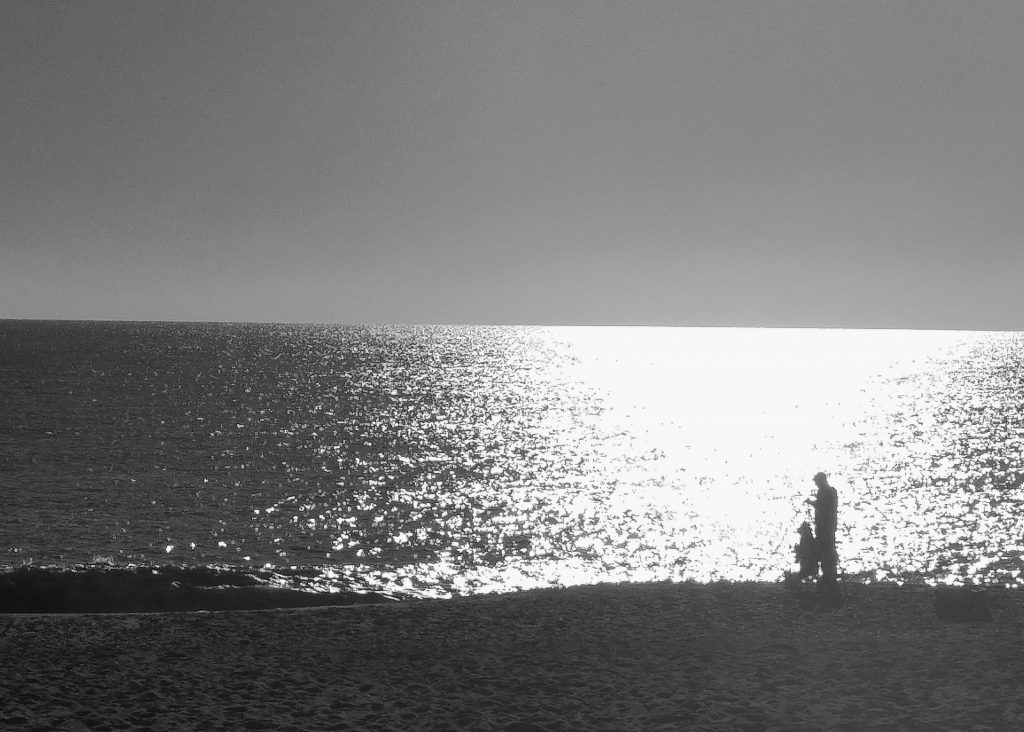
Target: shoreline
{"x":610,"y":656}
{"x":168,"y":588}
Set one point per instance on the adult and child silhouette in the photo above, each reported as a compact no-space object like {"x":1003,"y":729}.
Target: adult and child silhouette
{"x":818,"y":547}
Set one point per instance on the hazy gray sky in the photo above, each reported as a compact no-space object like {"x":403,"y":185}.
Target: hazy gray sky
{"x":850,"y":164}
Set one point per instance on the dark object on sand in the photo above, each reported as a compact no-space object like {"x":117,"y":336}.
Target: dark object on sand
{"x":152,"y":589}
{"x":962,"y":605}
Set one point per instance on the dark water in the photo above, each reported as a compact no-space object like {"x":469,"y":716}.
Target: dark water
{"x":432,"y":460}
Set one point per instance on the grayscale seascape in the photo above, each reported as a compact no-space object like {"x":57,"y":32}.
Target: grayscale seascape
{"x":511,"y":366}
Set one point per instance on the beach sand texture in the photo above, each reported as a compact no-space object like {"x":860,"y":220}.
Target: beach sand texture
{"x":606,"y":657}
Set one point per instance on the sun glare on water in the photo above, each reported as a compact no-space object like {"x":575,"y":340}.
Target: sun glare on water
{"x":441,"y":459}
{"x":529,"y":457}
{"x":717,"y":432}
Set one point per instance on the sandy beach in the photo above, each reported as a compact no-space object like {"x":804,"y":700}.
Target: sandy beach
{"x":607,"y":657}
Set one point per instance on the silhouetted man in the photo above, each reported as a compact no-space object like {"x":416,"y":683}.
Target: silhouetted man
{"x":826,"y":511}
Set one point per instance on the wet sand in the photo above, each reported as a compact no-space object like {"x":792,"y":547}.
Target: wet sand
{"x":608,"y":657}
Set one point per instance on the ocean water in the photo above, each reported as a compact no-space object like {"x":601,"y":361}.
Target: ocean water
{"x":443,"y":460}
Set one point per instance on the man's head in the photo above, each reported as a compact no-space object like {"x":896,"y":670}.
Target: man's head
{"x":821,"y":480}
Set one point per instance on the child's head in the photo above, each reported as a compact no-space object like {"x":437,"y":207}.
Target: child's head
{"x":805,"y":529}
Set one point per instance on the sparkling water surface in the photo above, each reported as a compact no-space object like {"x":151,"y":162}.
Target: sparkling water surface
{"x":441,"y":460}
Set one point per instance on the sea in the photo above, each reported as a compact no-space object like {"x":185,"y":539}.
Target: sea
{"x":432,"y":461}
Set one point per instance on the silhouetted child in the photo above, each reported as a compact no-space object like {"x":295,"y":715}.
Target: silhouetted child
{"x":807,"y":552}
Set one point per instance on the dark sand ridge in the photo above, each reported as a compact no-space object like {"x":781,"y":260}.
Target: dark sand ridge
{"x":155,"y":589}
{"x":606,"y":657}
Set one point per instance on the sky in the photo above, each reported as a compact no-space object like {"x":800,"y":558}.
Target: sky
{"x":576,"y":162}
